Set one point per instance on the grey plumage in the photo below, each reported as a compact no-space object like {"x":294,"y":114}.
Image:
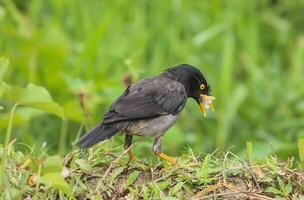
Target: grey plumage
{"x":151,"y":127}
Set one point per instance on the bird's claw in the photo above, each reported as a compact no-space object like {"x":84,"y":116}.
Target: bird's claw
{"x":132,"y":157}
{"x":168,"y":158}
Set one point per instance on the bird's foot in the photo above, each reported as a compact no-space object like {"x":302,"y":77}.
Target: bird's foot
{"x":132,"y":157}
{"x":168,"y":158}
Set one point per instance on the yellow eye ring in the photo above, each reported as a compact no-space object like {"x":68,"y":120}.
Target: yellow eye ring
{"x":202,"y":86}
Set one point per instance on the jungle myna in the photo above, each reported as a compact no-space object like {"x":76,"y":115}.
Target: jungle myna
{"x":151,"y":106}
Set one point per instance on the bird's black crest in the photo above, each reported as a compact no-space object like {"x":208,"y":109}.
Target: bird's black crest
{"x":188,"y":69}
{"x":190,"y":77}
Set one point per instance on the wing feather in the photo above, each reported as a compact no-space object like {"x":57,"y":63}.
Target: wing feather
{"x":146,"y":99}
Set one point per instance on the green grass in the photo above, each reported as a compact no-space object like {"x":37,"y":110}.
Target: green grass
{"x":105,"y":172}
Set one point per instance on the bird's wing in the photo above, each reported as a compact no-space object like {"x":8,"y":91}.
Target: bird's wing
{"x":148,"y":98}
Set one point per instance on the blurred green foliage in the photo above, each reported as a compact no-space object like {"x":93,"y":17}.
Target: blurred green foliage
{"x":252,"y":53}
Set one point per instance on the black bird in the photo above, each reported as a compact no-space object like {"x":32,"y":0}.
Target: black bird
{"x":151,"y":106}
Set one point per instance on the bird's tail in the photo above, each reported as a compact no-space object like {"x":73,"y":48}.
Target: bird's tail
{"x":97,"y":134}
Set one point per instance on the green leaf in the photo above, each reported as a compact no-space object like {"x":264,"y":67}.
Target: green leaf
{"x":271,"y":163}
{"x":273,"y":190}
{"x":163,"y":185}
{"x":116,"y":173}
{"x":33,"y":96}
{"x":204,"y":171}
{"x":301,"y":149}
{"x":288,"y":189}
{"x":3,"y":66}
{"x":55,"y":180}
{"x":176,"y":188}
{"x":52,"y":164}
{"x":281,"y":183}
{"x":132,"y":178}
{"x":12,"y":193}
{"x":188,"y":188}
{"x":83,"y":165}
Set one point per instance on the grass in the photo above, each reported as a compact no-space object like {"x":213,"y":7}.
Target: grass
{"x":105,"y":172}
{"x":251,"y":53}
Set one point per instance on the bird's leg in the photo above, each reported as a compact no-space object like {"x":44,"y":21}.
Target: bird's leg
{"x":157,"y":151}
{"x":128,"y":143}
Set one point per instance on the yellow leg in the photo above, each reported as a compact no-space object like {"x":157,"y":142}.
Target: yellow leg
{"x":132,"y":157}
{"x":168,"y":158}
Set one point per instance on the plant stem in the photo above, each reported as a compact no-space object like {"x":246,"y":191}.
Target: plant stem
{"x":63,"y":135}
{"x":10,"y":125}
{"x":78,"y":134}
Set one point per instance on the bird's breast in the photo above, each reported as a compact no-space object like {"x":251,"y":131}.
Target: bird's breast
{"x":151,"y":127}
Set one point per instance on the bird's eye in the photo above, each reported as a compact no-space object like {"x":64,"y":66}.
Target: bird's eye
{"x":202,"y":86}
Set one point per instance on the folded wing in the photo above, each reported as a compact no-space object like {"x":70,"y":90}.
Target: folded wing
{"x":147,"y":99}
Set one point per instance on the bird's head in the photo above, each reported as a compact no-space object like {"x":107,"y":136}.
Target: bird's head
{"x":195,"y":84}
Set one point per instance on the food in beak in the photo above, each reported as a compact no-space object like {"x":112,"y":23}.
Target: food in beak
{"x":206,"y":103}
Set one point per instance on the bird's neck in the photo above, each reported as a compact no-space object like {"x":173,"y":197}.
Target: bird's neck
{"x":183,"y":78}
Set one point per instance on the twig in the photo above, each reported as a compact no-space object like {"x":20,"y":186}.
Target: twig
{"x":226,"y":170}
{"x":207,"y":190}
{"x":110,"y":167}
{"x":247,"y":168}
{"x":248,"y":193}
{"x":230,"y":187}
{"x":68,"y":158}
{"x":218,"y":195}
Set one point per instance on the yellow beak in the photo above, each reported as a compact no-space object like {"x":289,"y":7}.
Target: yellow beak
{"x":206,"y":103}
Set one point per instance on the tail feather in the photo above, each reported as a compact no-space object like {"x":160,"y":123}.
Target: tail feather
{"x":97,"y":134}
